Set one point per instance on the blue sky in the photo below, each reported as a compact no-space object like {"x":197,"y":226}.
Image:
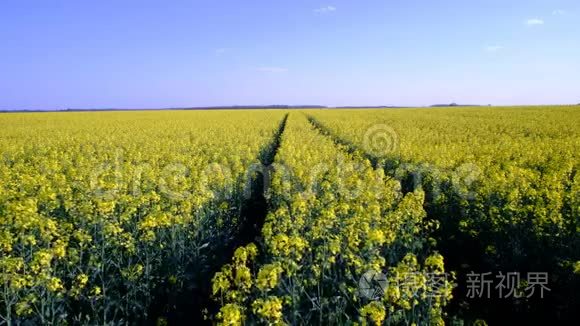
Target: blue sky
{"x":151,"y":54}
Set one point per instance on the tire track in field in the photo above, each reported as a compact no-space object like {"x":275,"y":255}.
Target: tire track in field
{"x":394,"y":166}
{"x":451,"y":240}
{"x":254,"y":208}
{"x":409,"y":181}
{"x":344,"y":144}
{"x":447,"y":244}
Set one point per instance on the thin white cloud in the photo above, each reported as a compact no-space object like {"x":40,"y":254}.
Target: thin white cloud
{"x":534,"y":22}
{"x":274,"y":70}
{"x":493,"y":48}
{"x":221,"y":51}
{"x":559,"y":12}
{"x":325,"y":10}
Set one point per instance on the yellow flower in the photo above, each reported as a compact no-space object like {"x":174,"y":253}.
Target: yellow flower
{"x":54,"y":284}
{"x":18,"y":282}
{"x":82,"y":236}
{"x":268,"y":276}
{"x":252,"y":251}
{"x":374,"y":311}
{"x":221,"y":280}
{"x":23,"y":308}
{"x":577,"y":267}
{"x":161,"y":322}
{"x":105,"y":207}
{"x":59,"y":249}
{"x":41,"y":261}
{"x":435,"y":262}
{"x":133,"y":272}
{"x":231,"y":314}
{"x":79,"y":284}
{"x":240,"y":256}
{"x":82,"y":280}
{"x":243,"y":277}
{"x":96,"y":291}
{"x":376,"y":237}
{"x":269,"y":309}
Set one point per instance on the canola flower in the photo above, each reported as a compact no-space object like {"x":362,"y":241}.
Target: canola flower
{"x":99,"y":209}
{"x":333,"y":218}
{"x":503,"y":182}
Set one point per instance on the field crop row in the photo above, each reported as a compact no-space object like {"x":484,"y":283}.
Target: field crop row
{"x":287,"y":217}
{"x":334,"y":220}
{"x":103,"y":213}
{"x":502,"y":182}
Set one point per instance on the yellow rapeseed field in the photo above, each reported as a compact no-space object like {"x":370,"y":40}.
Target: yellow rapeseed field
{"x":371,"y":216}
